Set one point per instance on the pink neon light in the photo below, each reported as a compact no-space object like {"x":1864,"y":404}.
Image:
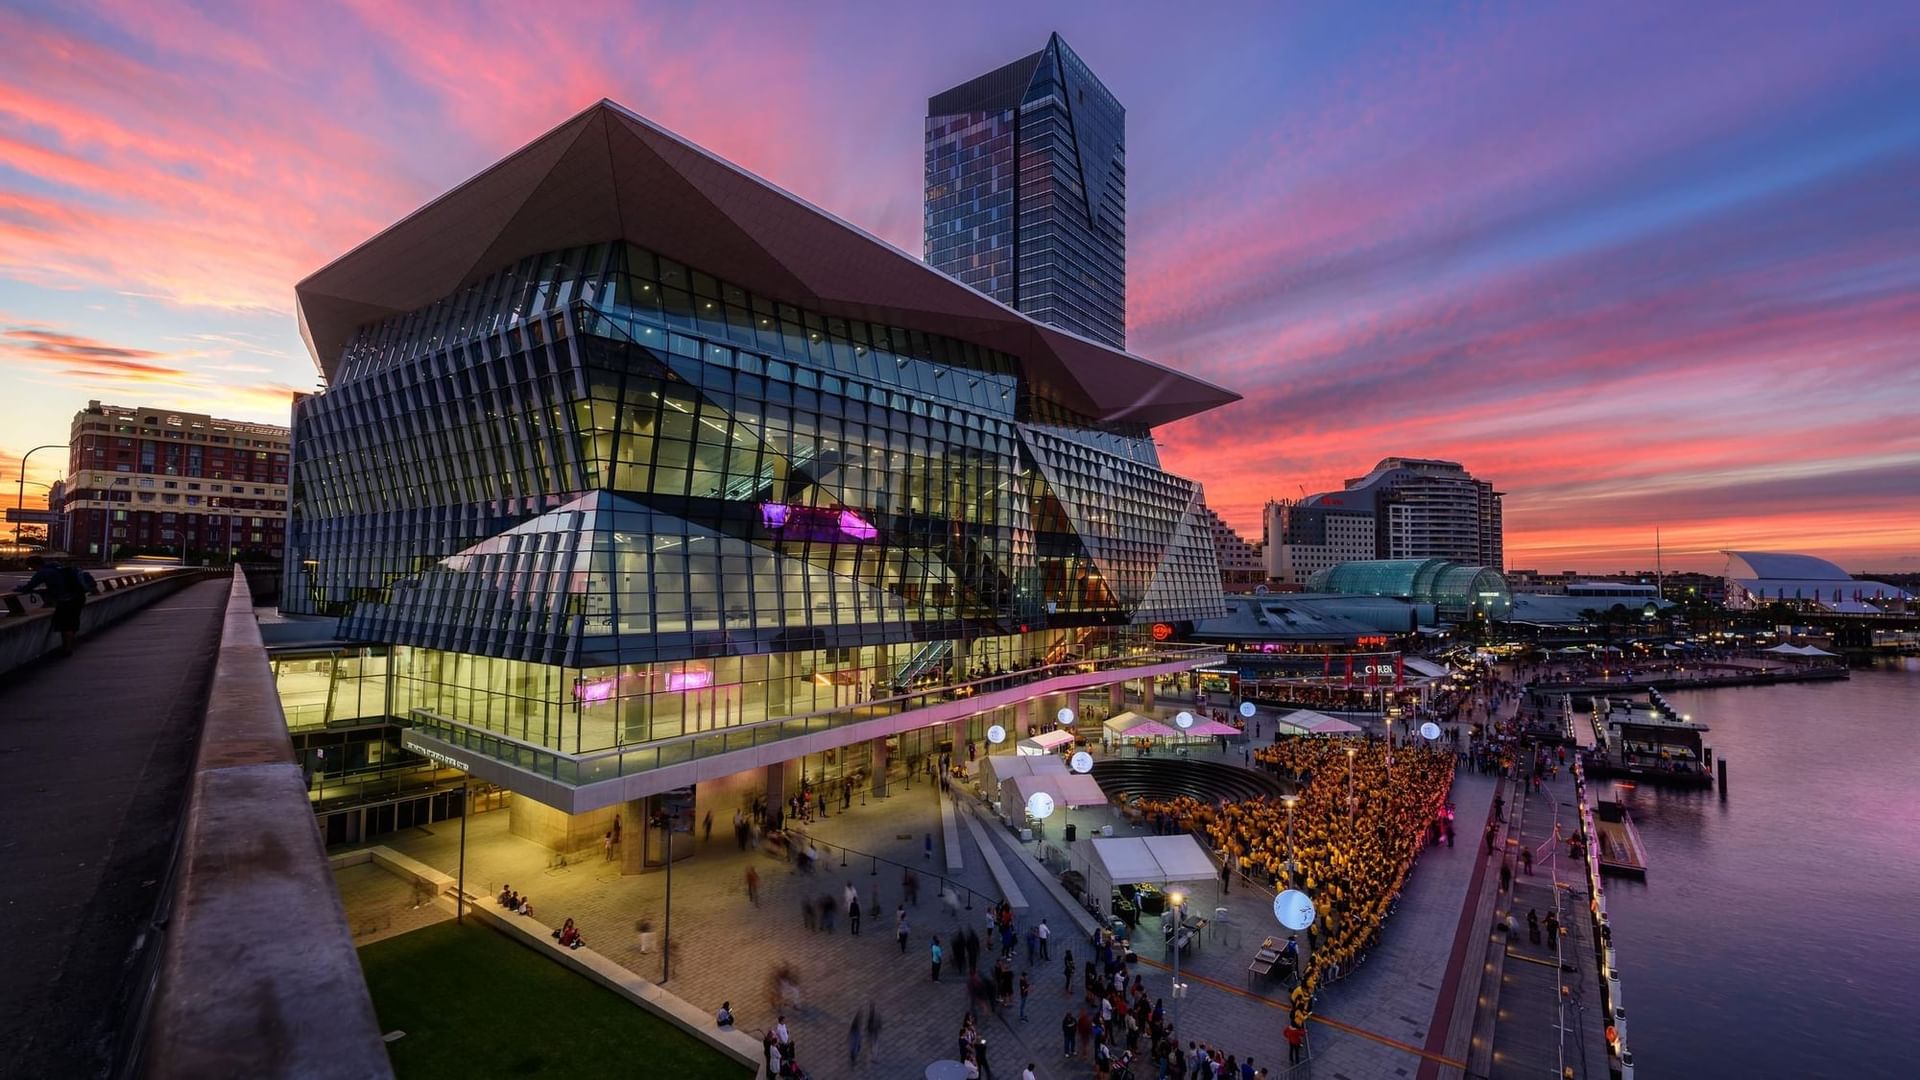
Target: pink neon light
{"x":592,"y":692}
{"x":689,"y":680}
{"x":856,"y":526}
{"x":773,"y":515}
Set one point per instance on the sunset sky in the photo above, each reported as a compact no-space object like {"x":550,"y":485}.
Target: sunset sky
{"x":1639,"y":264}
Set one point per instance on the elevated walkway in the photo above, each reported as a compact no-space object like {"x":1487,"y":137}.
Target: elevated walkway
{"x":95,"y":754}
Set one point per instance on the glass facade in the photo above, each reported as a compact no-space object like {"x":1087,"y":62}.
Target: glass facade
{"x":1026,"y":192}
{"x":599,"y":498}
{"x":1455,"y":591}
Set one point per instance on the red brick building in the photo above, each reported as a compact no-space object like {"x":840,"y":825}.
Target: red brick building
{"x":159,"y":481}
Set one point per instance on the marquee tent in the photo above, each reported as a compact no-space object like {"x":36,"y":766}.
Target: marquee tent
{"x":1160,"y":860}
{"x":996,"y":769}
{"x":1210,"y":728}
{"x":1133,"y":725}
{"x":1046,"y":742}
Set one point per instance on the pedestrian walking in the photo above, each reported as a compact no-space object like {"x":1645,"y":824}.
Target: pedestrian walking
{"x":935,"y":955}
{"x":1043,"y":934}
{"x":853,"y":1041}
{"x":1066,"y":1034}
{"x":606,"y":844}
{"x":1067,"y":988}
{"x":1491,"y":829}
{"x":1506,"y":877}
{"x":910,"y":885}
{"x":1526,"y":860}
{"x":1533,"y":926}
{"x":753,"y":886}
{"x":1026,"y":989}
{"x":926,"y":847}
{"x":900,"y":928}
{"x":1553,"y":930}
{"x":852,"y":898}
{"x":807,"y":915}
{"x":873,"y":1031}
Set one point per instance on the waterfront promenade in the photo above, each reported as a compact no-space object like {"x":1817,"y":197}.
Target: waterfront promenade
{"x":95,"y":752}
{"x":1375,"y":1022}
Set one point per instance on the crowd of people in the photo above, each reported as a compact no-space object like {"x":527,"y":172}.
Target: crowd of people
{"x":1351,"y":859}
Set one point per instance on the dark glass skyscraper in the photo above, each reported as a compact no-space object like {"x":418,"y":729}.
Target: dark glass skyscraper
{"x":1026,"y":196}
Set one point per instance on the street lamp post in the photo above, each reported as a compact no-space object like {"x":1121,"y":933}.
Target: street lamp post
{"x":1178,"y":900}
{"x":1350,"y":753}
{"x":1290,"y":801}
{"x":20,"y":501}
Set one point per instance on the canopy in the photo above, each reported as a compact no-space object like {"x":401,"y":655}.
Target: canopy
{"x":1420,"y":666}
{"x":996,"y":769}
{"x":1210,"y":728}
{"x":1785,"y":649}
{"x":1161,"y":860}
{"x":1809,"y":650}
{"x":1067,"y":789}
{"x":1046,"y":742}
{"x":1132,"y":725}
{"x":1574,"y":649}
{"x":1308,"y":722}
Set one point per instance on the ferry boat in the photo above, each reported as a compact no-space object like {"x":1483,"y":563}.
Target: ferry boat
{"x":1640,"y":737}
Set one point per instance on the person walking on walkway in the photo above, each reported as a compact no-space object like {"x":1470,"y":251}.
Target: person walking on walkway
{"x":853,"y":1041}
{"x":1553,"y":930}
{"x":926,"y":847}
{"x":900,"y":927}
{"x":63,"y":587}
{"x":753,"y":886}
{"x":852,"y":897}
{"x":1491,"y":831}
{"x":1067,"y":1028}
{"x":1533,"y":925}
{"x":1026,"y":989}
{"x":1043,"y":934}
{"x":873,"y":1031}
{"x":934,"y":954}
{"x":1506,"y":878}
{"x":1067,"y":986}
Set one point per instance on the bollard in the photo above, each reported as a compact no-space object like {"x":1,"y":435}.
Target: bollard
{"x":1723,"y":779}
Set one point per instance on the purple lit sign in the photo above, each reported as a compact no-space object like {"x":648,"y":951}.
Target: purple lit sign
{"x":817,"y":523}
{"x":689,"y":680}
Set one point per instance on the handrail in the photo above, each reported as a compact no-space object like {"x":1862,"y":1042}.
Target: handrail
{"x":614,"y":762}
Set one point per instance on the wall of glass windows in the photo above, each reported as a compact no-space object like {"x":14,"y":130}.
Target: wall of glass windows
{"x":603,"y":457}
{"x":582,"y":710}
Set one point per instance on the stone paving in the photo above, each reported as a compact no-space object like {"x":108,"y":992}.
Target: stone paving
{"x":380,"y":905}
{"x":725,"y":948}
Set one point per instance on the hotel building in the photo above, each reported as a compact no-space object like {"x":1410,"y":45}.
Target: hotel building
{"x":161,"y":481}
{"x":660,"y":489}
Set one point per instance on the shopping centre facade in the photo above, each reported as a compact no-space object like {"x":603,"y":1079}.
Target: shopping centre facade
{"x":645,"y":474}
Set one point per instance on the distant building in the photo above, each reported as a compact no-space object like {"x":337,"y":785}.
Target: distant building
{"x":1026,"y":192}
{"x":160,"y":481}
{"x":1304,"y":539}
{"x":1406,"y":508}
{"x":1241,"y":569}
{"x":1763,"y":577}
{"x":1457,"y":592}
{"x":1573,"y":603}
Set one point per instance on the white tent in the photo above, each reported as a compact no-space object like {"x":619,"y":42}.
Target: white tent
{"x":1308,"y":722}
{"x":1159,"y":860}
{"x":1133,"y":725}
{"x":1209,"y":728}
{"x":1333,"y":725}
{"x":1785,"y":649}
{"x":996,"y":769}
{"x":1811,"y":650}
{"x":1045,"y":743}
{"x":1417,"y":665}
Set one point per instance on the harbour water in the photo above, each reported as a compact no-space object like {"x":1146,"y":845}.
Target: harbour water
{"x":1778,"y":931}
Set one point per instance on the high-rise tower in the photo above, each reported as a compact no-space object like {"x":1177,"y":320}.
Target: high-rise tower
{"x":1026,"y":195}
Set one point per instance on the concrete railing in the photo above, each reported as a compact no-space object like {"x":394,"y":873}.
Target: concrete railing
{"x":258,"y":975}
{"x":28,"y":635}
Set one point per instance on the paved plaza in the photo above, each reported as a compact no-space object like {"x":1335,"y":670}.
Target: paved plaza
{"x":726,"y":948}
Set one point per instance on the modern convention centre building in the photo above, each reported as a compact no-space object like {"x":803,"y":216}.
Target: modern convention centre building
{"x":662,"y":489}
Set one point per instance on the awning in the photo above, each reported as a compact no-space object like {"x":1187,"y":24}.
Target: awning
{"x":1160,"y":860}
{"x":1133,"y":725}
{"x":1421,"y":666}
{"x":1048,"y":741}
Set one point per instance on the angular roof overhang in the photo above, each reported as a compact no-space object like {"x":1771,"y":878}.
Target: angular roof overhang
{"x":610,"y":174}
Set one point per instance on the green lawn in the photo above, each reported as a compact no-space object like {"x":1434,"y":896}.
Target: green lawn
{"x":474,"y":1003}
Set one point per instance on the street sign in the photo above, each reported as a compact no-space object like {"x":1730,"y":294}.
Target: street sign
{"x":16,"y":515}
